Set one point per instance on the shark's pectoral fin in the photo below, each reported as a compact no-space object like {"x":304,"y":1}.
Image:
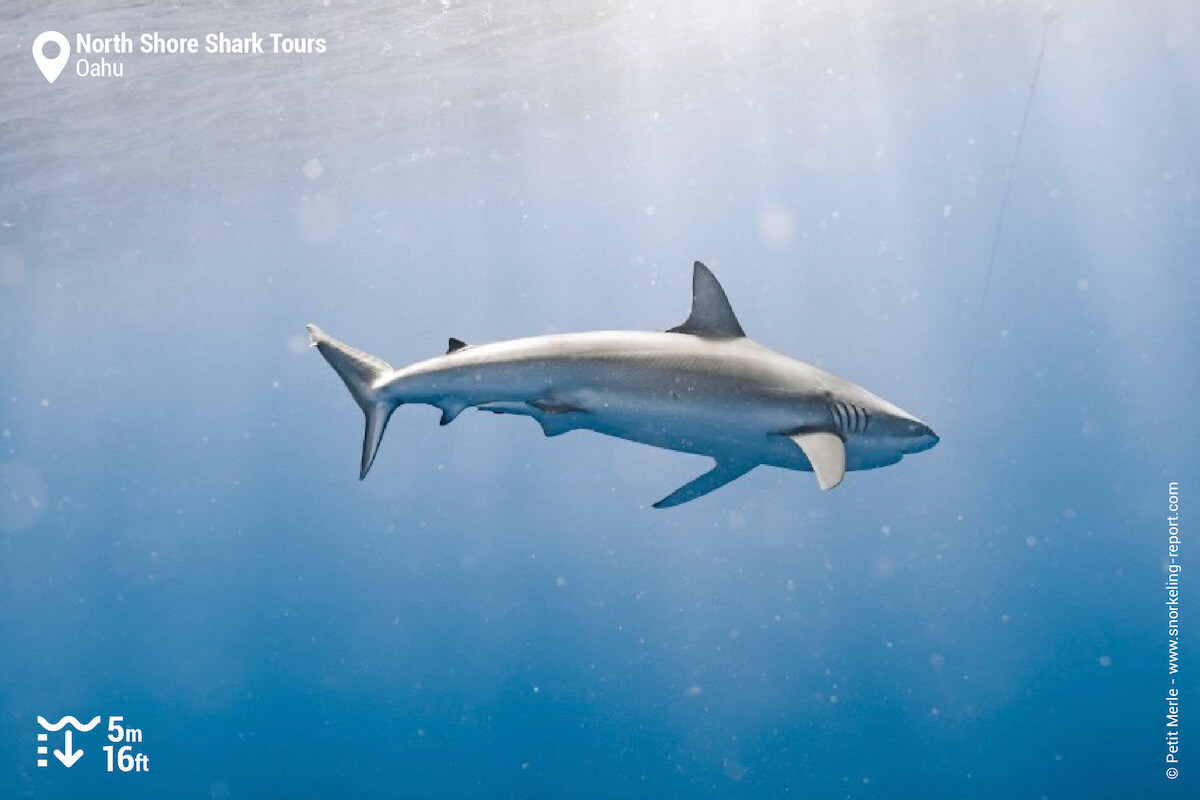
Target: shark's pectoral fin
{"x":555,"y":418}
{"x":715,"y":478}
{"x":827,"y":454}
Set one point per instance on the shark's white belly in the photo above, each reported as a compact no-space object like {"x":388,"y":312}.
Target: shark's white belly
{"x":693,"y":422}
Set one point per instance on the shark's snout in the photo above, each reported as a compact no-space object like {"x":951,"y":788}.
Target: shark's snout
{"x":920,"y":437}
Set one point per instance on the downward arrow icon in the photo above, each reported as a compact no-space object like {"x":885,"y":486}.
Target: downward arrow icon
{"x":68,"y":758}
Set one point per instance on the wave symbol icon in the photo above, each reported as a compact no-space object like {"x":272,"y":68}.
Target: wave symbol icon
{"x":68,"y":720}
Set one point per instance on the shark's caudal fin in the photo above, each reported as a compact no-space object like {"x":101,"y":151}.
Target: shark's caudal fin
{"x":359,"y":371}
{"x":711,"y":313}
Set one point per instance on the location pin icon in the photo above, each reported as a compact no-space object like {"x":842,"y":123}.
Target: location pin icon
{"x":51,"y":67}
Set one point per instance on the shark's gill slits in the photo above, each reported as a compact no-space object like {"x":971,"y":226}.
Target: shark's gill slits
{"x":850,"y":418}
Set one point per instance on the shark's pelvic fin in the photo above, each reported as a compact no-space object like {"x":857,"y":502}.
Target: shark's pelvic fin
{"x":827,"y":454}
{"x":359,"y":371}
{"x":455,"y":345}
{"x":722,"y":473}
{"x":711,"y":313}
{"x":554,"y":419}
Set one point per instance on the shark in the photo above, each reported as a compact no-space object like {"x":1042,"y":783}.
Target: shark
{"x":702,"y":387}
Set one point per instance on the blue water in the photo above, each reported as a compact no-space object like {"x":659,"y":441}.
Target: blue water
{"x":183,"y":539}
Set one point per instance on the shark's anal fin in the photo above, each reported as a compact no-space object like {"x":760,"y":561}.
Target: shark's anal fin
{"x":827,"y":454}
{"x":711,"y":313}
{"x":722,"y":473}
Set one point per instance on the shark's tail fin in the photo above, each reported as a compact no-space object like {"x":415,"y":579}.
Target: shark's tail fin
{"x":359,"y":371}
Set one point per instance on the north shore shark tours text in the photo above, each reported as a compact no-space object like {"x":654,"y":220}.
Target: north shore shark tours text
{"x":88,"y":47}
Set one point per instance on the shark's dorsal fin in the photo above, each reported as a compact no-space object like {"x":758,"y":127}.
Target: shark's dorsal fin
{"x":711,"y":313}
{"x":455,"y":345}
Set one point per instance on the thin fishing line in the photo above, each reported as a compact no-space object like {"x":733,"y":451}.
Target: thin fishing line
{"x":1003,"y":216}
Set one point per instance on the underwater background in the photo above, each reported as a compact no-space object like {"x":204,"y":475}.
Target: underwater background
{"x":986,"y":212}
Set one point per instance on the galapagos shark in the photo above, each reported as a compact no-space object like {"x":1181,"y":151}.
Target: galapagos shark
{"x":702,"y":387}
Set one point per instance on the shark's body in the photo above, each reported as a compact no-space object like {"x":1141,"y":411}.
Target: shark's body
{"x":702,"y":387}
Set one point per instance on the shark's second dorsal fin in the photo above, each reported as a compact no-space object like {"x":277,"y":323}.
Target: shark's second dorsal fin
{"x":455,"y":345}
{"x":711,"y":313}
